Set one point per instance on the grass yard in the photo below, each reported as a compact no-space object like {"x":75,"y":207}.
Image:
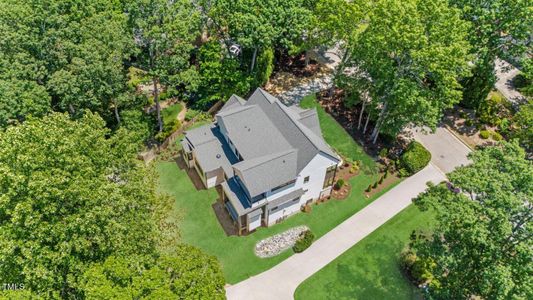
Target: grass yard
{"x":370,"y":269}
{"x":171,"y":113}
{"x":199,"y":225}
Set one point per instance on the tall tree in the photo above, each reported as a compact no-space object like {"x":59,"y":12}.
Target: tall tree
{"x":164,"y":33}
{"x":258,"y":25}
{"x":187,"y":273}
{"x":412,"y":52}
{"x":71,"y":196}
{"x":65,"y":55}
{"x":499,"y":28}
{"x":482,"y":245}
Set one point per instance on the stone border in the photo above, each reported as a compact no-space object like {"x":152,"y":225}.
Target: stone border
{"x":278,"y":243}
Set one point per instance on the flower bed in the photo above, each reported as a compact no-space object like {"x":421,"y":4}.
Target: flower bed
{"x":278,"y":243}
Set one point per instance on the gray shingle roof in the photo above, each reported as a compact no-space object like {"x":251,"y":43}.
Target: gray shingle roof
{"x":275,"y":141}
{"x":211,"y":150}
{"x":263,"y":173}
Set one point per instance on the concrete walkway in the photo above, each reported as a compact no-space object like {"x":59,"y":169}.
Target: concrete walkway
{"x":281,"y":281}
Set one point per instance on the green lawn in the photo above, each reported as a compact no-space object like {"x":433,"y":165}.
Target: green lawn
{"x":171,"y":113}
{"x":199,"y":225}
{"x":369,"y":270}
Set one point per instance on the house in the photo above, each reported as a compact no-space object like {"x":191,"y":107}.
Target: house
{"x":268,"y":159}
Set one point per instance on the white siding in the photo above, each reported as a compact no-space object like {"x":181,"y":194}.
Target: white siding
{"x":211,"y":182}
{"x":254,"y":222}
{"x":316,"y":170}
{"x":284,"y":210}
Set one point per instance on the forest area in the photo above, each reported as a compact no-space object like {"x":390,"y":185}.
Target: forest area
{"x":84,"y":87}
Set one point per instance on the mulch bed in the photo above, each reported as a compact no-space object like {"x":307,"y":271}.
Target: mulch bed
{"x":296,"y":65}
{"x":391,"y":178}
{"x":343,"y":173}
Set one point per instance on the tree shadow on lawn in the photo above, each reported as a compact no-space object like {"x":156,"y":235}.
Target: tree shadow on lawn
{"x":375,"y":274}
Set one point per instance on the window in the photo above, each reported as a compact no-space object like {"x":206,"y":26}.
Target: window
{"x":330,"y":176}
{"x":283,"y":185}
{"x":306,"y":179}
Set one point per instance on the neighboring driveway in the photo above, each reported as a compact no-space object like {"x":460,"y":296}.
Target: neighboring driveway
{"x":281,"y":281}
{"x":505,"y":73}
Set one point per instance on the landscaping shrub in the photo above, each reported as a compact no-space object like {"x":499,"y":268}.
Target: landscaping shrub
{"x":339,"y":184}
{"x":386,"y":173}
{"x":420,"y":270}
{"x":190,"y":114}
{"x":415,"y":157}
{"x":403,"y":172}
{"x":493,"y":109}
{"x":375,"y":185}
{"x":304,"y":241}
{"x":380,"y":180}
{"x":484,"y":134}
{"x":369,"y":188}
{"x":383,"y":153}
{"x":168,"y":129}
{"x":469,"y":122}
{"x":496,"y":136}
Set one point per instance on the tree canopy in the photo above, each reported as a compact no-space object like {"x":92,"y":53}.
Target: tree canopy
{"x":61,"y":55}
{"x":71,"y":196}
{"x":499,"y":28}
{"x":412,"y":53}
{"x":482,"y":243}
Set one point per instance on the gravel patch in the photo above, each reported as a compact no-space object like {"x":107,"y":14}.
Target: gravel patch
{"x":278,"y":243}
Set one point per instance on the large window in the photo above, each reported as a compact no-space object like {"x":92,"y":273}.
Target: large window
{"x":330,"y":176}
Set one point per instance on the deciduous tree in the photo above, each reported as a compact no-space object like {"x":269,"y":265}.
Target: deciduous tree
{"x":413,"y":53}
{"x":70,"y":195}
{"x":482,"y":243}
{"x":499,"y":28}
{"x":164,"y":32}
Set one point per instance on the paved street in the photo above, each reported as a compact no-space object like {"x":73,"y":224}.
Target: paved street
{"x":281,"y":281}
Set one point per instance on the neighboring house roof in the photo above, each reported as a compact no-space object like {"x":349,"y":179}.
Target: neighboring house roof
{"x":275,"y":141}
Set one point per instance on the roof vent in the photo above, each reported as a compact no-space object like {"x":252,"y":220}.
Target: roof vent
{"x":218,"y":155}
{"x":283,"y":161}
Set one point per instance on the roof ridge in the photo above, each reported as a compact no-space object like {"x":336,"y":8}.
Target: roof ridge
{"x":274,"y":156}
{"x":235,"y":110}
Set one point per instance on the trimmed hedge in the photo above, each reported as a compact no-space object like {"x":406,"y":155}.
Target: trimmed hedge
{"x":415,"y":157}
{"x":305,"y":240}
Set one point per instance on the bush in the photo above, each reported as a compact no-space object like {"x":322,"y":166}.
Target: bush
{"x":469,"y":122}
{"x":403,"y":173}
{"x":496,"y":136}
{"x":190,"y":114}
{"x":493,"y":108}
{"x":369,"y":188}
{"x":420,"y":270}
{"x":484,"y":134}
{"x":375,"y":185}
{"x":304,"y":241}
{"x":168,"y":129}
{"x":339,"y":184}
{"x":383,"y":153}
{"x":386,"y":173}
{"x":381,"y":180}
{"x":415,"y":157}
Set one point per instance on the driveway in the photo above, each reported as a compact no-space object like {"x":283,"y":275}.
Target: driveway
{"x":447,"y":151}
{"x":505,"y":73}
{"x":281,"y":281}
